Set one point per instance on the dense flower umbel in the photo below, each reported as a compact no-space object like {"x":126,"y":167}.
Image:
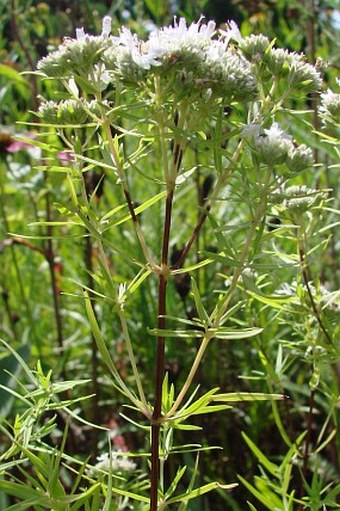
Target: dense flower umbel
{"x":273,"y":145}
{"x":77,"y":56}
{"x":195,"y":60}
{"x":280,"y":63}
{"x":187,"y":55}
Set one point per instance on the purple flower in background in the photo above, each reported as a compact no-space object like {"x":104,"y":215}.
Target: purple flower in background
{"x":65,"y":158}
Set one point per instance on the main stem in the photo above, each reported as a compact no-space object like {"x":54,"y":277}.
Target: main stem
{"x":95,"y":412}
{"x":160,"y":352}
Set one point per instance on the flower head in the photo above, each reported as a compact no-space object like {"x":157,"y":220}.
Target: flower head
{"x":233,"y":33}
{"x":277,"y":61}
{"x":298,"y":199}
{"x":77,"y":56}
{"x":254,"y":47}
{"x":329,"y":109}
{"x":181,"y":35}
{"x":299,"y":158}
{"x":117,"y":462}
{"x":303,"y":75}
{"x":272,"y":145}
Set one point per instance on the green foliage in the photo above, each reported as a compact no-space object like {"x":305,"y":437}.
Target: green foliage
{"x":251,"y":323}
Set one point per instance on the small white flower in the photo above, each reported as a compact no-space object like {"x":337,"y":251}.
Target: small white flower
{"x":251,"y":131}
{"x":138,"y":51}
{"x":180,"y":33}
{"x":178,"y":38}
{"x":117,"y":463}
{"x":106,"y":26}
{"x":275,"y":133}
{"x":73,"y":87}
{"x":233,"y":32}
{"x":80,"y":34}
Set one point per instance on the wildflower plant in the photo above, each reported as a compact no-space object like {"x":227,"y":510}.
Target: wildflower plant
{"x":201,"y":115}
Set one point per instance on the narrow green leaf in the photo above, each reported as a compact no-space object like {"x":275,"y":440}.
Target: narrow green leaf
{"x":188,"y":334}
{"x":147,"y":204}
{"x":271,"y":467}
{"x":40,"y":466}
{"x":10,"y":369}
{"x":19,"y":490}
{"x":138,"y":280}
{"x":275,"y":301}
{"x":202,"y":313}
{"x":12,"y":74}
{"x":98,"y":336}
{"x":326,"y":442}
{"x":260,"y":497}
{"x":193,"y":267}
{"x":57,"y":223}
{"x":252,"y":508}
{"x":197,"y":492}
{"x":112,"y":212}
{"x":235,"y":397}
{"x":187,"y":427}
{"x":230,"y":334}
{"x":130,"y":495}
{"x":53,"y":168}
{"x":21,"y":361}
{"x":176,"y":480}
{"x":103,"y":349}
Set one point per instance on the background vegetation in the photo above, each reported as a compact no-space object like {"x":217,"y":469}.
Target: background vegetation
{"x":42,"y":314}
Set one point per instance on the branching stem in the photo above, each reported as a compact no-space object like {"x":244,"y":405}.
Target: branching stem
{"x":218,"y":313}
{"x":305,"y":276}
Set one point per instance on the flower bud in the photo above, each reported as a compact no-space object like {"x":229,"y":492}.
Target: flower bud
{"x":48,"y":111}
{"x":71,"y":111}
{"x":303,"y":75}
{"x":254,"y":47}
{"x":299,"y":199}
{"x":299,"y":158}
{"x":277,"y":62}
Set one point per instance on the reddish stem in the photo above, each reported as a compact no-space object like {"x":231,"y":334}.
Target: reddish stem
{"x":160,"y":352}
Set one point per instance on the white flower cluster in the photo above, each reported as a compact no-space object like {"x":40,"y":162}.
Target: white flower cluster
{"x":77,"y":56}
{"x":298,"y":199}
{"x":70,"y":111}
{"x":329,"y":109}
{"x":194,"y":61}
{"x":118,"y":463}
{"x":187,"y":55}
{"x":269,"y":61}
{"x":274,"y":147}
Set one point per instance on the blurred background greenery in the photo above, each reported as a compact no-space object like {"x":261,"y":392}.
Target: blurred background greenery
{"x":42,"y":323}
